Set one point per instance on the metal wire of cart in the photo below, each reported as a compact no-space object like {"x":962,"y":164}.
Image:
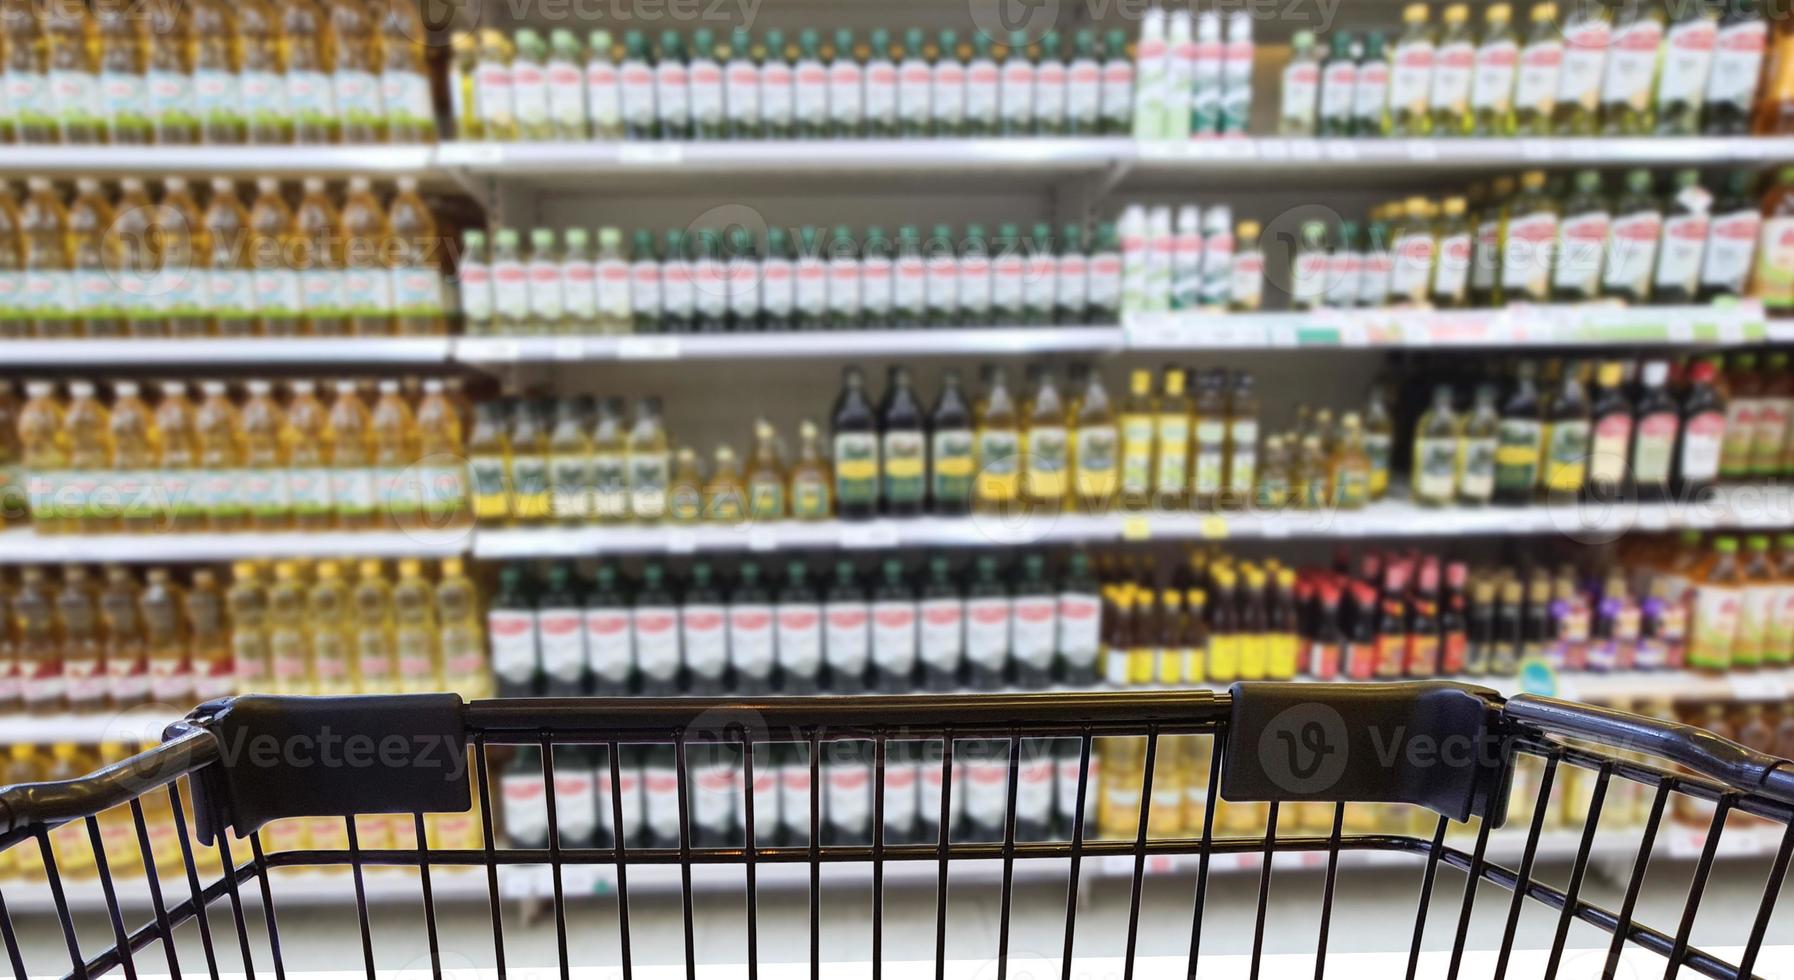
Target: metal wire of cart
{"x":1279,"y":744}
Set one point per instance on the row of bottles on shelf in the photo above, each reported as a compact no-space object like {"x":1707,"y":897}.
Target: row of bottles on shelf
{"x":87,"y":640}
{"x":211,"y":72}
{"x":1586,"y":72}
{"x":785,"y":629}
{"x":97,"y":264}
{"x":1530,"y":240}
{"x":223,"y":463}
{"x":742,"y":86}
{"x":805,"y":278}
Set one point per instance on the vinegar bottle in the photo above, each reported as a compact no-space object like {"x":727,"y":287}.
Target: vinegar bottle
{"x":83,"y":655}
{"x":311,"y":95}
{"x":367,"y":281}
{"x":27,"y":79}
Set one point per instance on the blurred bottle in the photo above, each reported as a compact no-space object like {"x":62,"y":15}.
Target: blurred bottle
{"x":131,"y":247}
{"x":415,"y":637}
{"x":416,"y":275}
{"x":318,"y":255}
{"x":230,"y":288}
{"x":159,"y":606}
{"x":69,"y":842}
{"x":356,"y":67}
{"x":216,"y":95}
{"x":90,"y":460}
{"x":127,"y":659}
{"x":367,"y":282}
{"x":246,"y":603}
{"x":274,"y":280}
{"x":177,"y":465}
{"x":266,"y":494}
{"x":376,"y":669}
{"x":132,"y":429}
{"x":352,"y":493}
{"x":311,"y":95}
{"x":49,"y":285}
{"x":404,"y":75}
{"x":83,"y":653}
{"x":289,"y":647}
{"x":218,"y":435}
{"x":458,"y":614}
{"x":181,"y":281}
{"x":441,"y":458}
{"x":74,"y":72}
{"x":44,"y":451}
{"x":208,"y":639}
{"x":327,"y":610}
{"x":94,"y":270}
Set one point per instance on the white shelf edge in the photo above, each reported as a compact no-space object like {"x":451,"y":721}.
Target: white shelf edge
{"x":785,"y":344}
{"x":22,"y":546}
{"x":246,"y":161}
{"x":250,"y":350}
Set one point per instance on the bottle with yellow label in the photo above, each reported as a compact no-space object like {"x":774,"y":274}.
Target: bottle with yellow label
{"x":1118,"y":601}
{"x":725,"y":493}
{"x":1255,"y":635}
{"x":531,"y":499}
{"x":489,"y":464}
{"x":1209,"y":478}
{"x":1045,"y":444}
{"x":1142,"y":649}
{"x":685,"y":487}
{"x":998,"y":482}
{"x":811,"y":484}
{"x":1168,"y":661}
{"x":765,"y":475}
{"x":1194,"y":669}
{"x":1137,"y":423}
{"x":1224,"y":640}
{"x":1095,"y":470}
{"x":1350,"y":473}
{"x":1566,"y":438}
{"x":1171,"y":442}
{"x":1120,"y":781}
{"x":569,"y":462}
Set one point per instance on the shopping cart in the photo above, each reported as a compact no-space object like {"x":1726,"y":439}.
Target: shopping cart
{"x":1451,"y":749}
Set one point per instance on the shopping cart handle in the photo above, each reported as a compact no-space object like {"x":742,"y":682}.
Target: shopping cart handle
{"x":52,"y":803}
{"x":1696,"y":749}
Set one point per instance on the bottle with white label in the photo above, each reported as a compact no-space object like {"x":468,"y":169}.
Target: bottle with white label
{"x":1071,"y":278}
{"x":1104,"y":278}
{"x":742,"y":275}
{"x":810,"y":281}
{"x":1078,"y":622}
{"x":704,"y":86}
{"x":1535,"y":76}
{"x":603,"y":81}
{"x":660,"y":797}
{"x":984,"y":83}
{"x":798,"y":632}
{"x":655,"y":623}
{"x":1339,"y":86}
{"x":1632,"y":62}
{"x":777,"y":89}
{"x":529,"y":86}
{"x":1180,"y":73}
{"x":1081,"y":103}
{"x":1008,"y":271}
{"x":1186,"y":259}
{"x":1587,"y":34}
{"x":948,"y":89}
{"x":511,"y":624}
{"x":523,"y":799}
{"x":1687,"y":62}
{"x":1016,"y":88}
{"x":1411,"y":76}
{"x":987,"y":634}
{"x":566,"y":83}
{"x":894,"y":630}
{"x":1116,"y":98}
{"x":709,"y":284}
{"x":810,"y":86}
{"x":1677,"y":275}
{"x":672,"y":88}
{"x":1581,"y":240}
{"x":1492,"y":82}
{"x":847,"y":632}
{"x":1301,"y":87}
{"x":547,"y":304}
{"x":609,"y":635}
{"x":1529,"y":243}
{"x":678,"y":296}
{"x":1370,"y":95}
{"x":846,"y":87}
{"x":941,"y":631}
{"x":1632,"y":237}
{"x":1034,"y":616}
{"x":703,"y":633}
{"x":847,"y":792}
{"x":635,"y":86}
{"x":877,"y":289}
{"x":561,"y":635}
{"x":751,"y":626}
{"x":1454,"y":71}
{"x":941,"y":283}
{"x":843,"y":282}
{"x":909,"y":280}
{"x":1731,"y":238}
{"x":974,"y":279}
{"x":1205,"y":76}
{"x":1133,"y":228}
{"x":915,"y":83}
{"x":880,"y":87}
{"x":1050,"y":87}
{"x":778,"y":282}
{"x":1731,"y":91}
{"x":741,"y":87}
{"x":1151,"y":55}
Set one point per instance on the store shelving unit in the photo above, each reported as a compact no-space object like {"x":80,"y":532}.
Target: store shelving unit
{"x":247,"y":351}
{"x":24,"y":546}
{"x":245,"y":162}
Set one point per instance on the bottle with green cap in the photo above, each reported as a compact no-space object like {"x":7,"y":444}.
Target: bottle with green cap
{"x":778,"y":281}
{"x":606,"y":615}
{"x":1117,"y":85}
{"x":799,"y":632}
{"x":810,"y":85}
{"x":473,"y":274}
{"x":579,"y":282}
{"x":777,"y":91}
{"x":1083,"y":88}
{"x":704,"y":84}
{"x":529,"y":86}
{"x":561,"y":634}
{"x":743,"y":276}
{"x":1103,"y":292}
{"x":1071,"y":278}
{"x":1050,"y":75}
{"x":603,"y":89}
{"x":894,"y":624}
{"x":1632,"y":238}
{"x":489,"y":102}
{"x":843,"y":280}
{"x":635,"y":89}
{"x":909,"y":280}
{"x":975,"y":279}
{"x":810,"y":278}
{"x":676,"y":293}
{"x":983,"y":89}
{"x":949,"y":86}
{"x":710,"y":286}
{"x":1370,"y":94}
{"x":941,"y":285}
{"x":1581,"y":238}
{"x":1039,"y":275}
{"x":644,"y":284}
{"x":915,"y":85}
{"x":751,"y":626}
{"x":1015,"y":98}
{"x":510,"y":283}
{"x":1339,"y":85}
{"x":877,"y":261}
{"x":1008,"y":269}
{"x":987,"y":627}
{"x":611,"y":283}
{"x":566,"y":86}
{"x":656,"y":620}
{"x":672,"y":88}
{"x":846,"y":86}
{"x":880,"y":71}
{"x":741,"y":86}
{"x":547,"y":299}
{"x":1301,"y":87}
{"x":1079,"y":622}
{"x":511,"y":622}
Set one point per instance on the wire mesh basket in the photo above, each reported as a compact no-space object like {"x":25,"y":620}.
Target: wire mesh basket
{"x":1330,"y":777}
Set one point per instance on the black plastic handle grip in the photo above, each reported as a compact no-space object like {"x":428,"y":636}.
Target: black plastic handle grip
{"x":1696,"y":749}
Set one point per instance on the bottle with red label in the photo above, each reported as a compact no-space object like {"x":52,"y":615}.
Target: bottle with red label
{"x":1626,"y":83}
{"x":1454,"y":640}
{"x":894,"y":630}
{"x":561,"y":635}
{"x":610,"y":650}
{"x":1581,"y":240}
{"x":1739,"y":42}
{"x":1631,"y":252}
{"x":703,"y":633}
{"x":987,"y":627}
{"x":1686,"y":69}
{"x":655,"y":621}
{"x":942,"y":629}
{"x":1731,"y":238}
{"x":1743,"y":396}
{"x":798,"y":635}
{"x":1079,"y":621}
{"x":1687,"y":216}
{"x":847,"y":636}
{"x":511,"y":624}
{"x":1392,"y":623}
{"x":1034,"y":616}
{"x":1775,"y":407}
{"x":751,"y":628}
{"x":1358,"y":654}
{"x":1773,"y":280}
{"x":523,"y":799}
{"x":1423,"y":627}
{"x":1570,"y":627}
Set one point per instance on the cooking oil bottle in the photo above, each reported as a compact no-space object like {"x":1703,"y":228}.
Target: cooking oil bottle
{"x":177,"y":466}
{"x":414,"y":631}
{"x":49,"y":287}
{"x":83,"y":654}
{"x":208,"y":638}
{"x":650,"y":464}
{"x":93,"y":288}
{"x":998,"y":484}
{"x":131,"y":244}
{"x":39,"y":652}
{"x":230,"y":291}
{"x":327,"y":610}
{"x":45,"y":450}
{"x":215,"y":94}
{"x":74,"y":72}
{"x":69,"y":843}
{"x":311,"y":96}
{"x":218,"y":434}
{"x":308,"y":474}
{"x":530,"y":484}
{"x":1045,"y":448}
{"x":351,"y":451}
{"x":246,"y":602}
{"x":127,"y":662}
{"x":132,"y":429}
{"x":265,"y":464}
{"x":90,"y":458}
{"x":440,"y":470}
{"x":181,"y":282}
{"x":274,"y":283}
{"x":356,"y":75}
{"x":416,"y":280}
{"x":464,"y":668}
{"x":169,"y":75}
{"x":267,"y":118}
{"x":1096,"y":468}
{"x":392,"y":430}
{"x":404,"y":77}
{"x":159,"y":605}
{"x":376,"y":654}
{"x":318,"y":254}
{"x":489,"y":464}
{"x":289,"y":647}
{"x":366,"y":279}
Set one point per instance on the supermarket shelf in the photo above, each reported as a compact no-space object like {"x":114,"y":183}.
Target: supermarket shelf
{"x":23,"y":546}
{"x":1736,"y":507}
{"x":359,"y":351}
{"x":1740,"y":322}
{"x":1393,"y":158}
{"x":833,"y":343}
{"x":240,"y":161}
